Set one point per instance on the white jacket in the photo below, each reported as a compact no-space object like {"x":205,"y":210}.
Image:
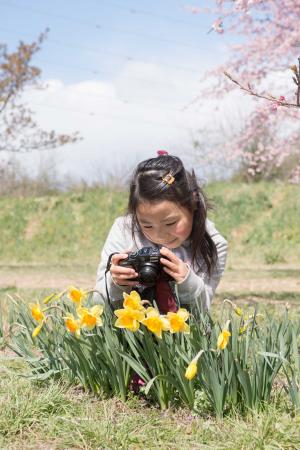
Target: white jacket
{"x":197,"y":287}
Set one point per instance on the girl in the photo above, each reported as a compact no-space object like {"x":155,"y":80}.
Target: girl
{"x":168,"y":209}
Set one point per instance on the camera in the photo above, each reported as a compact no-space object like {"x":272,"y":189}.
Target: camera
{"x":146,"y":262}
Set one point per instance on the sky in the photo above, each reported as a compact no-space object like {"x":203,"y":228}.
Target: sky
{"x":125,"y":74}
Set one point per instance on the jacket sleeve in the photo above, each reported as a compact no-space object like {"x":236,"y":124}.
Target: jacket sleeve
{"x":197,"y":290}
{"x":118,"y":240}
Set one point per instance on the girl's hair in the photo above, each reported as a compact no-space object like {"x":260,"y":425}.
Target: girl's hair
{"x":147,"y":185}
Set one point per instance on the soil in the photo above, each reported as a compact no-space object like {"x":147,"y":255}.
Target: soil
{"x":260,"y":279}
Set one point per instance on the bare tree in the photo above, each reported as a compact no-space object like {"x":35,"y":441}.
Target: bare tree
{"x":18,"y":131}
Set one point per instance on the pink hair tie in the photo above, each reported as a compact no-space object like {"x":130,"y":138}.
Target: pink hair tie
{"x":162,"y":152}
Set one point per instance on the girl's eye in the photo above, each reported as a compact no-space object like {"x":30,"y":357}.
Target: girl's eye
{"x":169,"y":224}
{"x":147,"y":226}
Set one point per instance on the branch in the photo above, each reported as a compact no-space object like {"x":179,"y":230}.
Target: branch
{"x":271,"y":98}
{"x":6,"y":100}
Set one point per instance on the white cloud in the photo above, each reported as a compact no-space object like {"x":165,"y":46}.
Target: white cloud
{"x":123,"y":120}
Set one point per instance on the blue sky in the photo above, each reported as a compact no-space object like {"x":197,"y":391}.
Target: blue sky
{"x":120,"y":73}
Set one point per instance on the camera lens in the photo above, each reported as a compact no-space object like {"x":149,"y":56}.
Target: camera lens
{"x":148,"y":273}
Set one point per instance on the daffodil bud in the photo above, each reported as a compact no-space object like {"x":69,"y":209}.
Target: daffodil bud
{"x":191,"y":370}
{"x":37,"y":330}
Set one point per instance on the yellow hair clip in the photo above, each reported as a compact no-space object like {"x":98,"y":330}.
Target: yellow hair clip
{"x":169,"y":179}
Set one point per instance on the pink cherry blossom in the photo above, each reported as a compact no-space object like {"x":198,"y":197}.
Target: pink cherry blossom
{"x":270,"y":46}
{"x":217,"y":26}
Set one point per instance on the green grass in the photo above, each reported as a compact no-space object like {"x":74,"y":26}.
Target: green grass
{"x":55,"y":416}
{"x":69,"y":227}
{"x":260,"y":222}
{"x":65,"y":233}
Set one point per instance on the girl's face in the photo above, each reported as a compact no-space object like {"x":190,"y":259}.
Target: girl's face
{"x":165,"y":223}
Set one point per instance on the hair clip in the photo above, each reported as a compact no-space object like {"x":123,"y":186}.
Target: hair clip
{"x":162,"y":152}
{"x":169,"y":179}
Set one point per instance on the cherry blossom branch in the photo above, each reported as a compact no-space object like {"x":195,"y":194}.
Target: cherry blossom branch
{"x":276,"y":102}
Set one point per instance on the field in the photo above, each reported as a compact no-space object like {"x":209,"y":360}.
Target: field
{"x":48,"y":243}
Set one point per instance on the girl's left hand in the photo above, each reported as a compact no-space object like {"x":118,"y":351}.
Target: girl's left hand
{"x":173,"y":265}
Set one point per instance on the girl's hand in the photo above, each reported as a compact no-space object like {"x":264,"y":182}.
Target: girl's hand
{"x":173,"y":266}
{"x":122,"y":275}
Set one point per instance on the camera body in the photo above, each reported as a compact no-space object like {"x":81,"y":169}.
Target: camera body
{"x":146,"y":262}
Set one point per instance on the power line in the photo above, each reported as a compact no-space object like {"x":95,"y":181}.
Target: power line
{"x":93,"y":114}
{"x":136,"y":11}
{"x":99,"y":71}
{"x":121,"y":100}
{"x":105,"y":52}
{"x":101,"y":26}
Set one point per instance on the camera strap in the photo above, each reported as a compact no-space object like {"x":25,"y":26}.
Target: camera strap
{"x":108,"y":265}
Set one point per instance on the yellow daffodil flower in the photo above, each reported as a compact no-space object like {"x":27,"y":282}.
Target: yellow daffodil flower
{"x":191,"y":371}
{"x":37,"y":330}
{"x":155,"y":322}
{"x":236,"y":309}
{"x":72,"y":325}
{"x":133,"y":301}
{"x":243,"y":329}
{"x":177,"y":321}
{"x":129,"y":318}
{"x":223,"y":339}
{"x":53,"y":296}
{"x":36,"y":311}
{"x":76,"y":295}
{"x":90,"y":318}
{"x":259,"y":318}
{"x":192,"y":368}
{"x":49,"y":298}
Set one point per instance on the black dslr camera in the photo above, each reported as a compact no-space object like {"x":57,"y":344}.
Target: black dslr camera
{"x":146,"y":262}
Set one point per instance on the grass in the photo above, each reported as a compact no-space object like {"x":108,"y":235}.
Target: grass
{"x":55,"y":416}
{"x":64,"y":234}
{"x":260,"y":221}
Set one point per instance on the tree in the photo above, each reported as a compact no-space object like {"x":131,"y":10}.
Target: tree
{"x":269,"y":45}
{"x":18,"y":131}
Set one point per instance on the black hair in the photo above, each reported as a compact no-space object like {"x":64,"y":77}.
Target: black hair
{"x":147,"y":185}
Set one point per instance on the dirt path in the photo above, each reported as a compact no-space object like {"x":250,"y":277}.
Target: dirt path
{"x":283,"y":279}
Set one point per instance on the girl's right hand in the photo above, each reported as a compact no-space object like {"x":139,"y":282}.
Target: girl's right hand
{"x":122,"y":275}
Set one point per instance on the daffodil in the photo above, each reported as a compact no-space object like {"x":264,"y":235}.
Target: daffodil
{"x":53,"y":296}
{"x":258,"y":318}
{"x":36,"y":311}
{"x":192,"y":368}
{"x":155,"y":322}
{"x":37,"y":330}
{"x":72,"y":324}
{"x":236,"y":309}
{"x":90,"y":318}
{"x":223,"y":339}
{"x":76,"y":295}
{"x":178,"y":320}
{"x":129,"y":318}
{"x":133,"y":301}
{"x":49,"y":298}
{"x":243,"y":329}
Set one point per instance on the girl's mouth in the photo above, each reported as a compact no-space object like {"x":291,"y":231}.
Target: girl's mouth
{"x":169,"y":243}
